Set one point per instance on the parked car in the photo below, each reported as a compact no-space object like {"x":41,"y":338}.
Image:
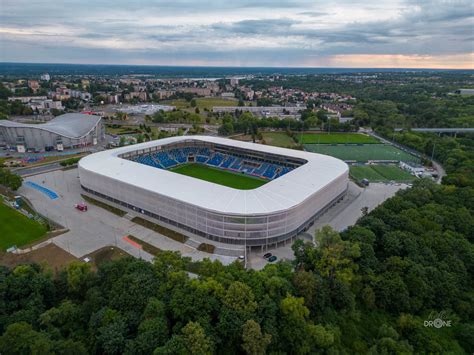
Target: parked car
{"x":81,"y":206}
{"x":267,"y":255}
{"x":272,"y":258}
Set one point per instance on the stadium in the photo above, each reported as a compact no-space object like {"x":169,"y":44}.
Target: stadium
{"x":220,"y":189}
{"x":71,"y":130}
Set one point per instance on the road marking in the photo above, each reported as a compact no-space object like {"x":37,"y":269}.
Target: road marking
{"x":135,"y":244}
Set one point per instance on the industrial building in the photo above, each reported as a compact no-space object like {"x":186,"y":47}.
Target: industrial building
{"x":71,"y":130}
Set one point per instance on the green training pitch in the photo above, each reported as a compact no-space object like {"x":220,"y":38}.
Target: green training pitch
{"x":17,"y":229}
{"x":380,"y":173}
{"x":362,"y":153}
{"x":336,"y":138}
{"x":219,"y":176}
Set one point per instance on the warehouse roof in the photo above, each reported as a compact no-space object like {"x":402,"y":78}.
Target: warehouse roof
{"x":279,"y":194}
{"x":71,"y":125}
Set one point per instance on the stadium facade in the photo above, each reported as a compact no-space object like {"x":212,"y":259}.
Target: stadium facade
{"x":71,"y":130}
{"x":300,"y":187}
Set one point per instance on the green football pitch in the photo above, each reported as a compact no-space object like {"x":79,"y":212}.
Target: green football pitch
{"x":17,"y":229}
{"x":362,"y":153}
{"x":336,"y":138}
{"x":380,"y":173}
{"x":219,"y":176}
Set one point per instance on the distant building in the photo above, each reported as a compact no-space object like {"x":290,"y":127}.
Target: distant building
{"x":248,"y":93}
{"x":413,"y":168}
{"x":228,"y":94}
{"x":196,"y":91}
{"x":113,"y":98}
{"x":26,"y":99}
{"x":33,"y":85}
{"x":262,"y":111}
{"x":345,"y":119}
{"x":85,"y":96}
{"x":47,"y":104}
{"x":234,"y":81}
{"x":72,"y":130}
{"x":163,"y":94}
{"x":45,"y":77}
{"x":465,"y":91}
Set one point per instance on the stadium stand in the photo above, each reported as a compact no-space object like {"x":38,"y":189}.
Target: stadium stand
{"x":166,"y":159}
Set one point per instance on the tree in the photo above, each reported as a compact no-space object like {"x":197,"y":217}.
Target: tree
{"x":226,"y":129}
{"x":10,"y":180}
{"x":253,"y":341}
{"x":293,"y":327}
{"x":321,"y":338}
{"x":192,"y":340}
{"x":336,"y":259}
{"x":20,"y":338}
{"x":79,"y":276}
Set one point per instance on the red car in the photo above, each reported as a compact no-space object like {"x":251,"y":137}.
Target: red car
{"x":81,"y":206}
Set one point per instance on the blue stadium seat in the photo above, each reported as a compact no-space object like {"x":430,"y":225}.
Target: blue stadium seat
{"x":228,"y":162}
{"x":169,"y":158}
{"x":216,"y":159}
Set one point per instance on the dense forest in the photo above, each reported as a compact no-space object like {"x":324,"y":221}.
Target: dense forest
{"x":369,"y":289}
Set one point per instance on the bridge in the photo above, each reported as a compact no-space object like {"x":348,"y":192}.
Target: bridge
{"x":438,"y":130}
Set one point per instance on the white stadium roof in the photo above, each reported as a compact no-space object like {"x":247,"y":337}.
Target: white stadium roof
{"x":71,"y":125}
{"x":279,"y":194}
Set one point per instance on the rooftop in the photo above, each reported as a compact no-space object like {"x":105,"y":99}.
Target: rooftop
{"x":71,"y":125}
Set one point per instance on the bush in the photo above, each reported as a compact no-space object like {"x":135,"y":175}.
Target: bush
{"x":10,"y":180}
{"x":70,"y":161}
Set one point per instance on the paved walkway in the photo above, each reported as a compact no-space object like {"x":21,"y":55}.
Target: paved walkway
{"x":96,"y":228}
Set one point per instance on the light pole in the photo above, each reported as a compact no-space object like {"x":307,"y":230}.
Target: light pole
{"x":432,"y":153}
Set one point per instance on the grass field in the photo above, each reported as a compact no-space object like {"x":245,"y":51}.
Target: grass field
{"x":218,"y":176}
{"x":17,"y":229}
{"x":277,"y":139}
{"x":380,"y":173}
{"x":361,"y":152}
{"x":336,"y":138}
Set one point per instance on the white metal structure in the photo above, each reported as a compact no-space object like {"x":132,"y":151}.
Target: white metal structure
{"x":71,"y":130}
{"x":274,"y":212}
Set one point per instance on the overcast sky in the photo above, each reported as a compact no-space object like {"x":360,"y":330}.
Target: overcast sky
{"x":296,"y":33}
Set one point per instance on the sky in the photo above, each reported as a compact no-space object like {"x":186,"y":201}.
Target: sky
{"x":268,"y":33}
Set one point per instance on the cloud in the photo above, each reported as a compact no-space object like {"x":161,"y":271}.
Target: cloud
{"x":239,"y":32}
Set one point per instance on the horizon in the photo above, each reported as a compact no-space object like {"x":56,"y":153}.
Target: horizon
{"x":242,"y":67}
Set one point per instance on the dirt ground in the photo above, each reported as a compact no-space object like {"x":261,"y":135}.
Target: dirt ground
{"x":50,"y":255}
{"x":105,"y":254}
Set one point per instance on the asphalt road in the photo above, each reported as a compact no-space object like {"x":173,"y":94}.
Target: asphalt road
{"x":37,"y":169}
